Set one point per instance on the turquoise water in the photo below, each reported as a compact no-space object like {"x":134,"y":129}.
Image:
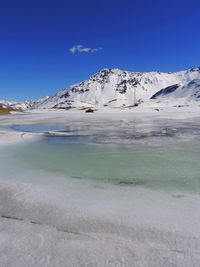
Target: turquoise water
{"x":161,"y":155}
{"x":40,"y":127}
{"x":167,"y":167}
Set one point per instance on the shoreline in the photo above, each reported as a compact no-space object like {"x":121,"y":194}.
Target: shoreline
{"x":10,"y":136}
{"x":14,"y":137}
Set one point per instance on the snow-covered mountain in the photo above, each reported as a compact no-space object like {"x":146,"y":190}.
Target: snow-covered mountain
{"x":114,"y":87}
{"x":21,"y":105}
{"x":187,"y":91}
{"x":16,"y":105}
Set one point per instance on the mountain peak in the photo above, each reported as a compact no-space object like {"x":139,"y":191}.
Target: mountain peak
{"x":115,"y":88}
{"x":107,"y":71}
{"x":194,"y":69}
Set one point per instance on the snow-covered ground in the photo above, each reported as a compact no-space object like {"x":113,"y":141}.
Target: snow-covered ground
{"x":48,"y":218}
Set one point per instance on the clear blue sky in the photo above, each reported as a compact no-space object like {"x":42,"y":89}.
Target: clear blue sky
{"x":142,"y":35}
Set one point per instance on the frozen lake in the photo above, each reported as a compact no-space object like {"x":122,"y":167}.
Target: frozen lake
{"x":153,"y":155}
{"x":124,"y":188}
{"x":173,"y":167}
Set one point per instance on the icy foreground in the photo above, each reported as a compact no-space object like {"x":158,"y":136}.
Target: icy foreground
{"x":37,"y":232}
{"x":50,"y":219}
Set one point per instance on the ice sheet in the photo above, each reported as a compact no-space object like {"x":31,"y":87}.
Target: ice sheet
{"x":54,"y":217}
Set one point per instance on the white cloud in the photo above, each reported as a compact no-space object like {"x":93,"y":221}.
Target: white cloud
{"x":81,"y":49}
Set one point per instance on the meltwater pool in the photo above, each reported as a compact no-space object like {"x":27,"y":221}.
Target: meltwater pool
{"x":170,"y":166}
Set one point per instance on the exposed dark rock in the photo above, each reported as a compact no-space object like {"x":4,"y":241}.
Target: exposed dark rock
{"x":122,"y":87}
{"x":166,"y":91}
{"x":89,"y":110}
{"x":67,"y":94}
{"x":195,"y":69}
{"x":79,"y":91}
{"x":113,"y":100}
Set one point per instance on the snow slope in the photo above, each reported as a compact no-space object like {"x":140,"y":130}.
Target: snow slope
{"x":21,"y":105}
{"x":16,"y":105}
{"x":188,"y":91}
{"x":114,"y":87}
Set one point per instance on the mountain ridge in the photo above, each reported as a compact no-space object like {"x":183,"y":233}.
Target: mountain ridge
{"x":116,"y":88}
